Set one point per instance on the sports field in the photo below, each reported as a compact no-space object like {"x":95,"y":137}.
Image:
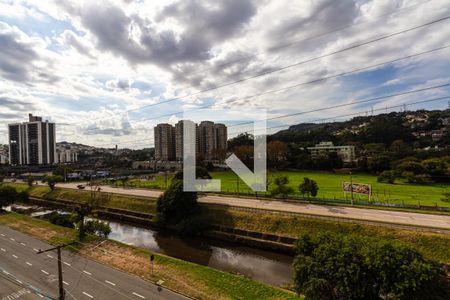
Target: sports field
{"x":330,"y":187}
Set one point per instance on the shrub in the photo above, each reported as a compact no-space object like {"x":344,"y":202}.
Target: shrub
{"x":64,"y":220}
{"x":308,"y":187}
{"x":386,"y":176}
{"x":281,"y":188}
{"x":416,"y":178}
{"x":97,"y":227}
{"x":9,"y":195}
{"x":52,"y":180}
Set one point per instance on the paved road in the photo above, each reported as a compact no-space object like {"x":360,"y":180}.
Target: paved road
{"x":12,"y":288}
{"x":374,"y":215}
{"x":83,"y":278}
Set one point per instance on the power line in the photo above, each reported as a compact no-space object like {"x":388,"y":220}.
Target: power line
{"x":293,"y":65}
{"x":306,"y":82}
{"x":339,"y":106}
{"x":358,"y":113}
{"x":76,"y":270}
{"x":350,"y":103}
{"x":287,"y":45}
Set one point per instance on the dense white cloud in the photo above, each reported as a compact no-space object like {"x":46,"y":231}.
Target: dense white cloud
{"x":94,"y":64}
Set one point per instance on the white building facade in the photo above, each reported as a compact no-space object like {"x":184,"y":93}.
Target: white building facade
{"x":32,"y":142}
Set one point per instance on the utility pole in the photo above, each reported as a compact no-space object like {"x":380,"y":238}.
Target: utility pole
{"x":60,"y":273}
{"x":351,"y":185}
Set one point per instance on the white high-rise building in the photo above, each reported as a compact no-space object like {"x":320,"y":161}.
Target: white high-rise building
{"x":32,"y":142}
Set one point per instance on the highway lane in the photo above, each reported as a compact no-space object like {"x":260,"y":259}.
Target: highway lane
{"x":365,"y":214}
{"x":83,"y":278}
{"x":12,"y":288}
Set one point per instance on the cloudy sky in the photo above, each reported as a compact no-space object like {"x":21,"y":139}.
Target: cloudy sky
{"x":107,"y":71}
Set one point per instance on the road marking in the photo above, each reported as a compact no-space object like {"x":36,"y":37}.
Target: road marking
{"x":49,"y":256}
{"x":140,"y":296}
{"x":65,"y":283}
{"x":35,"y":249}
{"x":3,"y":249}
{"x":45,"y":272}
{"x":111,"y":283}
{"x":15,"y":256}
{"x":90,"y":296}
{"x":66,"y":263}
{"x":86,"y":272}
{"x":30,"y":264}
{"x":23,"y":244}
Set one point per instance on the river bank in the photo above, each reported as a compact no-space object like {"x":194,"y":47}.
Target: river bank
{"x":433,"y":244}
{"x":196,"y":281}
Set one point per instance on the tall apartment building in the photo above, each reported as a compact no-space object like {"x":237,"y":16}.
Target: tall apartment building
{"x":179,"y":139}
{"x":210,"y":139}
{"x":164,"y":142}
{"x":32,"y":142}
{"x":206,"y":133}
{"x":220,"y":137}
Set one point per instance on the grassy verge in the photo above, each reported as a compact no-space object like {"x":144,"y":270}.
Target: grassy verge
{"x":432,"y":245}
{"x":133,"y":203}
{"x":197,"y":281}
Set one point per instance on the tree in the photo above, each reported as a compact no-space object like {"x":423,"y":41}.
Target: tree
{"x":52,"y":180}
{"x":97,"y":227}
{"x":62,"y":170}
{"x":308,"y":187}
{"x":9,"y":195}
{"x":124,"y":181}
{"x":85,"y":209}
{"x":386,"y":176}
{"x":178,"y":209}
{"x":30,"y":181}
{"x":200,"y":173}
{"x":245,"y":154}
{"x":435,"y":166}
{"x":353,"y":267}
{"x":379,"y":163}
{"x":276,"y":153}
{"x":282,"y":189}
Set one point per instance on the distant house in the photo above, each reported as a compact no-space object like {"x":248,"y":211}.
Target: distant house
{"x":346,"y":153}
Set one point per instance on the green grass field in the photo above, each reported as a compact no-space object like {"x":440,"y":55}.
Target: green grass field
{"x":330,"y":186}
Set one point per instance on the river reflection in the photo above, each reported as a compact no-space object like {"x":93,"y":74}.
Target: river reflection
{"x":265,"y":266}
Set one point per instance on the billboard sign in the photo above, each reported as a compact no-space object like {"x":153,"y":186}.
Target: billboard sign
{"x":357,"y":188}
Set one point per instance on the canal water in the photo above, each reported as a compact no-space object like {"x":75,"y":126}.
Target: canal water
{"x":261,"y":265}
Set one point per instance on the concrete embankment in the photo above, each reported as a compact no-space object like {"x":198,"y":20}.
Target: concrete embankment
{"x":245,"y":237}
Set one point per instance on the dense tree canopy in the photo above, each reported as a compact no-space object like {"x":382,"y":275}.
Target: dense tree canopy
{"x":350,"y":267}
